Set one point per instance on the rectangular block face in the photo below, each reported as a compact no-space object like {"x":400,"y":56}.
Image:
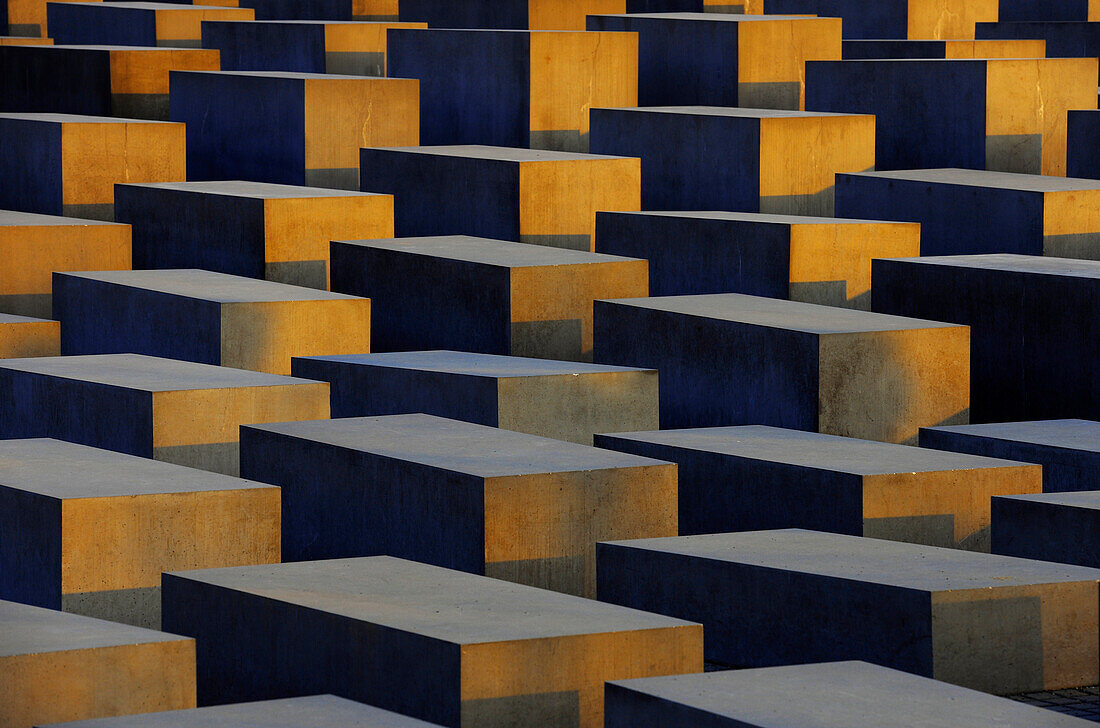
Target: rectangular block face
{"x":1059,"y":527}
{"x":734,"y":359}
{"x":320,"y":711}
{"x":179,"y":412}
{"x":756,"y":478}
{"x":27,"y":18}
{"x":561,"y":400}
{"x":935,"y":19}
{"x":212,"y":318}
{"x":504,"y":504}
{"x":433,"y":632}
{"x":137,"y":23}
{"x":8,"y":40}
{"x":1063,"y":38}
{"x":533,"y":196}
{"x":119,"y":525}
{"x":490,"y":296}
{"x":1025,"y":10}
{"x":22,"y":337}
{"x":1068,"y":450}
{"x":867,"y":49}
{"x":1030,"y":360}
{"x":991,"y":623}
{"x":829,"y":695}
{"x":964,"y":211}
{"x":526,"y":14}
{"x":57,"y":667}
{"x":771,"y":171}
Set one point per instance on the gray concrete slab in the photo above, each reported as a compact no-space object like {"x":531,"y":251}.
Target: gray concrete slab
{"x":982,"y":178}
{"x":499,"y":253}
{"x":30,"y":630}
{"x":13,"y":218}
{"x":1013,"y":263}
{"x":1064,"y":434}
{"x":499,"y":154}
{"x":207,"y":285}
{"x":731,"y":111}
{"x":492,"y":366}
{"x":252,"y":190}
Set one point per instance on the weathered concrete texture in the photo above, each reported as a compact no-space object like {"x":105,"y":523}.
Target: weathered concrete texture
{"x":1017,"y":11}
{"x":530,"y":14}
{"x":319,"y":711}
{"x":514,"y":88}
{"x":1003,"y":114}
{"x":21,"y":336}
{"x":436,"y":644}
{"x":809,"y":259}
{"x":764,"y":166}
{"x":1068,"y":450}
{"x":475,"y":294}
{"x":1062,"y":527}
{"x":177,"y":411}
{"x":254,"y":229}
{"x":965,"y":211}
{"x":892,"y":18}
{"x":1064,"y":38}
{"x":993,"y":623}
{"x":465,"y":496}
{"x":754,"y":478}
{"x":201,"y":316}
{"x":531,"y":196}
{"x":1083,"y":146}
{"x":100,"y":80}
{"x":90,"y":531}
{"x":1034,"y":339}
{"x":868,"y":49}
{"x":149,"y":24}
{"x":61,"y":667}
{"x":724,"y":59}
{"x":289,"y":128}
{"x":731,"y":359}
{"x":826,"y":695}
{"x":67,"y":164}
{"x":562,"y":400}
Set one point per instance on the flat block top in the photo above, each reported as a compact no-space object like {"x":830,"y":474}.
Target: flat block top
{"x":1087,"y":499}
{"x":29,"y":630}
{"x":144,"y":5}
{"x":1063,"y":434}
{"x":284,"y":75}
{"x":815,"y":450}
{"x":45,"y":118}
{"x":708,"y":17}
{"x":463,"y":447}
{"x":448,"y":605}
{"x":204,"y":285}
{"x":890,"y":563}
{"x":252,"y":190}
{"x":778,"y":313}
{"x":761,"y":218}
{"x":492,"y":366}
{"x":843,"y":695}
{"x":87,"y":47}
{"x":982,"y":178}
{"x":1012,"y":263}
{"x":498,"y":154}
{"x":58,"y":469}
{"x":387,"y":23}
{"x":146,"y":373}
{"x":498,"y":253}
{"x":318,"y":711}
{"x":13,"y":218}
{"x":728,"y":111}
{"x":11,"y":318}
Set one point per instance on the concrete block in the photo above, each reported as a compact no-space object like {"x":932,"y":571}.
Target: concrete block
{"x":810,"y":259}
{"x":935,"y":19}
{"x":68,"y":164}
{"x":489,"y":296}
{"x":867,"y":49}
{"x":317,"y":711}
{"x":1064,"y":39}
{"x":765,"y":598}
{"x":1062,"y":527}
{"x":321,"y":10}
{"x":1001,"y":114}
{"x":21,"y":336}
{"x":289,"y":128}
{"x":276,"y":232}
{"x":56,"y":666}
{"x":175,"y":411}
{"x":201,"y":316}
{"x":1068,"y":450}
{"x":529,"y":14}
{"x":435,"y":644}
{"x":514,"y":88}
{"x":1033,"y":341}
{"x":89,"y":531}
{"x":124,"y":81}
{"x":756,"y":478}
{"x":1025,"y":10}
{"x":966,"y":211}
{"x":732,"y":359}
{"x":562,"y":400}
{"x":305,"y":46}
{"x":34,"y":246}
{"x":1083,"y":144}
{"x":26,"y":18}
{"x":735,"y":7}
{"x":135,"y":23}
{"x":763,"y":165}
{"x":479,"y":499}
{"x":539,"y":197}
{"x":724,"y":59}
{"x":14,"y":40}
{"x":824,"y":695}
